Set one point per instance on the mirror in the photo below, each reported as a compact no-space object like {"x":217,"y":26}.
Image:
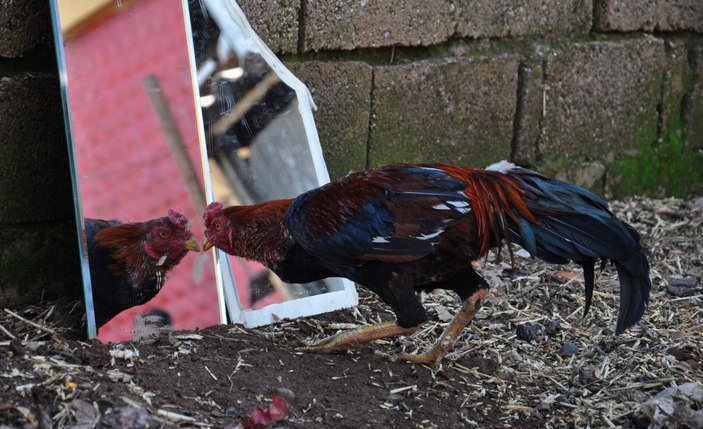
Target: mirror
{"x":261,"y":145}
{"x":133,"y":124}
{"x":169,"y":105}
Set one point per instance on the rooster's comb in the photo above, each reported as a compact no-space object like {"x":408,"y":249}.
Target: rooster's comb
{"x":211,"y":211}
{"x":178,"y":218}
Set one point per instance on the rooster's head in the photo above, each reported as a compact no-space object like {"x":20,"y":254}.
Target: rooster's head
{"x":169,"y":239}
{"x":217,"y":227}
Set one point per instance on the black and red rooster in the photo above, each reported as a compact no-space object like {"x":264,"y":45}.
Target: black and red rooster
{"x":129,"y":261}
{"x":405,"y":228}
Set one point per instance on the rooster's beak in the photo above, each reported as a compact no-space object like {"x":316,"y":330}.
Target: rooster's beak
{"x":207,"y":244}
{"x":192,"y":245}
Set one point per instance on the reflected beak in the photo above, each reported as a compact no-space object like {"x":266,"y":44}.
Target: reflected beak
{"x":192,"y":245}
{"x":207,"y":244}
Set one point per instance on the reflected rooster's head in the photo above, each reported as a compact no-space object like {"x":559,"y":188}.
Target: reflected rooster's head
{"x":144,"y":248}
{"x":169,"y":239}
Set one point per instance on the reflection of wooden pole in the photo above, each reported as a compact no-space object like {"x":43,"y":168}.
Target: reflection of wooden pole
{"x":279,"y":286}
{"x":245,"y":104}
{"x":175,"y":140}
{"x":230,"y":192}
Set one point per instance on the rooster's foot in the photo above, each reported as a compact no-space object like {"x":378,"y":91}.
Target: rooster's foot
{"x":357,"y":338}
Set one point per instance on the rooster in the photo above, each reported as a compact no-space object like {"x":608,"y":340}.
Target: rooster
{"x":405,"y":228}
{"x":129,"y":261}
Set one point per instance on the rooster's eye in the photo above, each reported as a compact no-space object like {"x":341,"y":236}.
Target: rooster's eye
{"x":217,"y":226}
{"x":163,"y":234}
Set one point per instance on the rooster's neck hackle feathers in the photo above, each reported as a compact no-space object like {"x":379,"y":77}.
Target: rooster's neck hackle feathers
{"x":127,"y":244}
{"x":257,"y":232}
{"x":269,"y":210}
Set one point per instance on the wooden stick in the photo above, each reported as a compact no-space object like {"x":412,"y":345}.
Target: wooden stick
{"x":29,"y":322}
{"x":6,"y":332}
{"x":175,"y":140}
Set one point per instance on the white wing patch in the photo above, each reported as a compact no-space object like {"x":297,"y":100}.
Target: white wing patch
{"x":380,"y":240}
{"x":461,"y":206}
{"x":430,"y":236}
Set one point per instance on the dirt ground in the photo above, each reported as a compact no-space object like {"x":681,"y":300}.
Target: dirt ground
{"x":530,"y":360}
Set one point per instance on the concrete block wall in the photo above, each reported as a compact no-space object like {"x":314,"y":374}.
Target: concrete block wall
{"x":606,"y":93}
{"x":38,"y":252}
{"x":592,"y":91}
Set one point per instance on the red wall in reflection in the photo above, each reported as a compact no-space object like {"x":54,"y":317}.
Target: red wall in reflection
{"x":125,"y":166}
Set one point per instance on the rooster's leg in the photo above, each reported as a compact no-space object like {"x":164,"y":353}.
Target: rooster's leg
{"x":358,"y":337}
{"x":463,"y":318}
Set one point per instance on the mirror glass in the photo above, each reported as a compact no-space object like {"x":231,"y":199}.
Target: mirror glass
{"x":137,"y":162}
{"x":170,"y":105}
{"x":261,"y":145}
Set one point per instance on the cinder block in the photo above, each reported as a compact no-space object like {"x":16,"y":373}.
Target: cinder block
{"x":35,"y":180}
{"x":276,"y":22}
{"x":508,"y":18}
{"x":39,"y":261}
{"x":458,"y":111}
{"x":338,"y":24}
{"x":23,"y":25}
{"x":602,"y":97}
{"x":342,"y":92}
{"x":659,"y":15}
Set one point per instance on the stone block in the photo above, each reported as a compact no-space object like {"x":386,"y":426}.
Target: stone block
{"x":680,"y":15}
{"x":602,"y":97}
{"x":23,"y":25}
{"x":651,"y":15}
{"x":276,"y":22}
{"x":342,"y":92}
{"x":507,"y":18}
{"x":625,"y":15}
{"x":458,"y":111}
{"x":39,"y":261}
{"x":338,"y":24}
{"x":35,"y":182}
